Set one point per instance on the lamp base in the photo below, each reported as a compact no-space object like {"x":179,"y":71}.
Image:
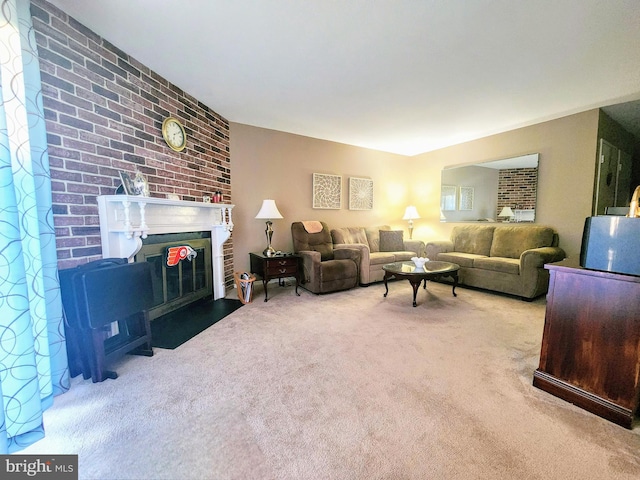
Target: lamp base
{"x":269,"y":251}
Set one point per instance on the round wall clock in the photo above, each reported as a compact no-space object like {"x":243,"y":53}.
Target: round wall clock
{"x":174,"y":134}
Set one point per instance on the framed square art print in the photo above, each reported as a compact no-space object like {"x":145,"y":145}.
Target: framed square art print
{"x":466,"y":198}
{"x":327,"y":191}
{"x":360,"y":193}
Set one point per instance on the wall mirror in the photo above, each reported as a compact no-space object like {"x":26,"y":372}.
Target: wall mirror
{"x":502,"y":190}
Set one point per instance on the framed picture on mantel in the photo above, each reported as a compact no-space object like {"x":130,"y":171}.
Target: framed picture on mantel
{"x":136,"y":186}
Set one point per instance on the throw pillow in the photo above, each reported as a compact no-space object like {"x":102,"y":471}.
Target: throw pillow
{"x":391,"y":241}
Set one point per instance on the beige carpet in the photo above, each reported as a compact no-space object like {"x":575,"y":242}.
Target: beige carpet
{"x":348,"y":385}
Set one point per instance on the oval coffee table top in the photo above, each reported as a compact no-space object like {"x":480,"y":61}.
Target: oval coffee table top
{"x":430,"y":267}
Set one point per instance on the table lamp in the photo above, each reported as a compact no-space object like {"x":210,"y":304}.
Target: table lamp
{"x":410,"y":214}
{"x":269,"y":211}
{"x":507,"y":213}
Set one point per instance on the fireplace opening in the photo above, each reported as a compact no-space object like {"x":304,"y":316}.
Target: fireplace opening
{"x":188,"y":280}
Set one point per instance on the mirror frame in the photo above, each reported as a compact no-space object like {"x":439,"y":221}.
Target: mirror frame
{"x":478,"y":191}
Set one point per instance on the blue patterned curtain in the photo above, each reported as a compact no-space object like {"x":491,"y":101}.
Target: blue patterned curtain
{"x":33,"y":361}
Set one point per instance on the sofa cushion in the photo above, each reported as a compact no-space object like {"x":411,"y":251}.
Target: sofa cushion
{"x":403,"y":255}
{"x":373,"y":237}
{"x":378,"y":258}
{"x":349,"y":235}
{"x":474,"y":239}
{"x":511,"y":241}
{"x":460,"y":258}
{"x":391,"y":240}
{"x":498,"y":264}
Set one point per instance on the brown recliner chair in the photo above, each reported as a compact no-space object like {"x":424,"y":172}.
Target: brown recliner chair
{"x":324,"y":269}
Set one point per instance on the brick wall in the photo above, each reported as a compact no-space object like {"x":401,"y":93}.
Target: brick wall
{"x":104,"y":114}
{"x":517,"y":188}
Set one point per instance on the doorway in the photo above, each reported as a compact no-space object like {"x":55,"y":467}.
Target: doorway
{"x":613,"y":180}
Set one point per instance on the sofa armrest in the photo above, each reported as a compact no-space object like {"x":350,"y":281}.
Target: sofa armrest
{"x":534,"y":278}
{"x":310,"y":265}
{"x":537,"y":257}
{"x":415,"y":246}
{"x":362,"y":254}
{"x":347,"y":253}
{"x":436,"y":247}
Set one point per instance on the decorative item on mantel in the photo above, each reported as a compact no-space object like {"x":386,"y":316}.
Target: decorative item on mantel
{"x":269,"y":211}
{"x":411,"y":213}
{"x":217,"y":197}
{"x":136,"y":185}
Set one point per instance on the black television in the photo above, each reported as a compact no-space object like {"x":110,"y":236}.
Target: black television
{"x":611,"y":244}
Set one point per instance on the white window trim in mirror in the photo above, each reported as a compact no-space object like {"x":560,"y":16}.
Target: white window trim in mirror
{"x":448,"y":198}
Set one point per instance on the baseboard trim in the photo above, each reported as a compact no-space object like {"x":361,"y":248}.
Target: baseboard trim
{"x":583,"y":399}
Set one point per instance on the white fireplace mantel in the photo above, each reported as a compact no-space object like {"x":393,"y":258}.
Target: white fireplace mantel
{"x":125,"y":220}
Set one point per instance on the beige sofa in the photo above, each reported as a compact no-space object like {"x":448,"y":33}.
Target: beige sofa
{"x":376,"y":251}
{"x":503,"y":258}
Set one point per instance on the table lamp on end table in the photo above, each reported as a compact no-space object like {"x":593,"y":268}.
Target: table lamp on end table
{"x":411,"y":213}
{"x":269,"y":211}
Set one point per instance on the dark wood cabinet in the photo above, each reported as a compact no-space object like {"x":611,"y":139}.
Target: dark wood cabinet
{"x":278,"y":266}
{"x":590,"y":353}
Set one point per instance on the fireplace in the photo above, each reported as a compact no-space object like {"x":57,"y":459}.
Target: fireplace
{"x":141,"y":228}
{"x":184,"y":282}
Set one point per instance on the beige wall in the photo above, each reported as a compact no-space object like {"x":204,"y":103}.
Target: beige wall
{"x":567,"y":148}
{"x":271,"y":164}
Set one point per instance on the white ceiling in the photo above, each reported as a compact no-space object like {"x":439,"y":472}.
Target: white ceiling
{"x":403,"y":76}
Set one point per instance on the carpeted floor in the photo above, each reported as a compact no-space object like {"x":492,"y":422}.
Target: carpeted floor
{"x":348,"y":385}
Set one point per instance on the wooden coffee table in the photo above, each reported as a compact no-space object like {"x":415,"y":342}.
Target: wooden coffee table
{"x":431,"y":271}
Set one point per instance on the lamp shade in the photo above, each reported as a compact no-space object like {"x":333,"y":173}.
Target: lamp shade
{"x":269,"y":210}
{"x":410,"y":213}
{"x":506,"y":212}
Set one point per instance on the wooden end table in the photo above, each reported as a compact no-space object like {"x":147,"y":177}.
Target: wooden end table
{"x":277,"y":266}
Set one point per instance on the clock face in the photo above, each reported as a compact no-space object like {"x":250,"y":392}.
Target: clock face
{"x":174,"y":135}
